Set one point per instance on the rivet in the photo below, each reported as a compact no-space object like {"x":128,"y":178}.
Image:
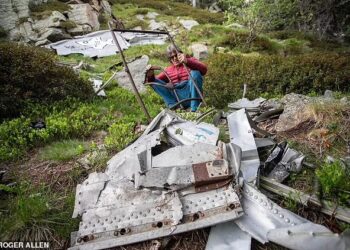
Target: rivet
{"x":275,"y":211}
{"x":293,"y":224}
{"x":255,"y":197}
{"x":250,"y":194}
{"x":281,"y":215}
{"x":287,"y":220}
{"x":265,"y":204}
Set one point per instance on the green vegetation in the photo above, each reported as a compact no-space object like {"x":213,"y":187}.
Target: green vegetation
{"x":31,"y":75}
{"x":68,"y":25}
{"x":170,"y":8}
{"x":49,"y":6}
{"x":34,"y":213}
{"x":63,"y":150}
{"x":334,"y":179}
{"x":274,"y":74}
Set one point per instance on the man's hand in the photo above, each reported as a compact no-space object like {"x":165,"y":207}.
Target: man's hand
{"x":150,"y":70}
{"x":181,"y":58}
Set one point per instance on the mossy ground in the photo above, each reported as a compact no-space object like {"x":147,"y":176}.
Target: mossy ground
{"x":48,"y":186}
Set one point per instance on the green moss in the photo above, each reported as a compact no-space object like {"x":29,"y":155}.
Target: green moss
{"x":135,"y":23}
{"x":68,"y":25}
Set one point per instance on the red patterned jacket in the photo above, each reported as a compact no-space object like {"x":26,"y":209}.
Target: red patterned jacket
{"x":179,"y":73}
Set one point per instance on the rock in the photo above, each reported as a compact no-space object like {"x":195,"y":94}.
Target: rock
{"x":200,"y":51}
{"x":52,"y":21}
{"x":140,"y":17}
{"x":138,"y":70}
{"x":344,"y":100}
{"x":42,"y":42}
{"x":328,"y":94}
{"x":85,"y":17}
{"x":93,"y":158}
{"x":26,"y":32}
{"x":188,"y":24}
{"x":106,"y":6}
{"x":154,"y":25}
{"x":214,"y":8}
{"x":53,"y":35}
{"x":294,"y":113}
{"x":11,"y":12}
{"x":152,"y":15}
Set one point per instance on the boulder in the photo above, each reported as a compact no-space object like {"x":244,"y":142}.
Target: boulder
{"x":188,"y":24}
{"x":85,"y":17}
{"x":53,"y":35}
{"x":11,"y":11}
{"x":200,"y":51}
{"x":138,"y":71}
{"x":152,"y":15}
{"x":52,"y":21}
{"x":154,"y":25}
{"x":295,"y":113}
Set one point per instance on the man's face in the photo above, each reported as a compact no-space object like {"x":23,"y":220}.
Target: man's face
{"x":173,"y":58}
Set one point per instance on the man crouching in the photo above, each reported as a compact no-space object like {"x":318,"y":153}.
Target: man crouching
{"x":176,"y":77}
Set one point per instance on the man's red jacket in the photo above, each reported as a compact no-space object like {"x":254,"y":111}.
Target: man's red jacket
{"x":178,"y":73}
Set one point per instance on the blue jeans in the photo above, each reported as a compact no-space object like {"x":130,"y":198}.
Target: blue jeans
{"x":184,"y":90}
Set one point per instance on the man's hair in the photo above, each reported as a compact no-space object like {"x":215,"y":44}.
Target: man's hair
{"x":172,"y":48}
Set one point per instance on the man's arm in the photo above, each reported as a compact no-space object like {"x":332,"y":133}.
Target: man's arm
{"x":195,"y":64}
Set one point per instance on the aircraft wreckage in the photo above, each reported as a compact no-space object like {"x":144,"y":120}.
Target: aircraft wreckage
{"x":176,"y":177}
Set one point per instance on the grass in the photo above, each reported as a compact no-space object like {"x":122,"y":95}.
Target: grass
{"x":63,"y":150}
{"x":37,"y":214}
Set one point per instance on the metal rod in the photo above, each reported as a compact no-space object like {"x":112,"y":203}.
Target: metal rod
{"x":188,"y":72}
{"x":138,"y":97}
{"x":143,"y":31}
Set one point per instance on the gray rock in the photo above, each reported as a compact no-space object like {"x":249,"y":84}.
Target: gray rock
{"x":11,"y":11}
{"x":200,"y":51}
{"x":42,"y":42}
{"x":138,"y":70}
{"x":188,"y":24}
{"x":152,"y":15}
{"x":154,"y":25}
{"x":140,"y":17}
{"x":344,"y":100}
{"x":294,"y":112}
{"x":328,"y":94}
{"x":53,"y":35}
{"x":52,"y":21}
{"x":85,"y":17}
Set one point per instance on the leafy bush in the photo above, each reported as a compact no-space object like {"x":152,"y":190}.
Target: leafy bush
{"x":120,"y":135}
{"x":334,"y":179}
{"x":242,"y":40}
{"x":274,"y":74}
{"x":30,"y":74}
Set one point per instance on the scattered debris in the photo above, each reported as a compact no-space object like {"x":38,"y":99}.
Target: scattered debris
{"x":178,"y":177}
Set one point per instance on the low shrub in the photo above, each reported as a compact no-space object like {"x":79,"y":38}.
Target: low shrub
{"x":134,"y":23}
{"x":69,"y":24}
{"x":334,"y":179}
{"x":31,"y":75}
{"x":274,"y":74}
{"x":50,"y":5}
{"x":240,"y":40}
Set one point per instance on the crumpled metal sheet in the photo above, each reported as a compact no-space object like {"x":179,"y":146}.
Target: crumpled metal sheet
{"x":241,"y":134}
{"x":130,"y":202}
{"x":228,"y":236}
{"x":309,"y":236}
{"x":96,"y":44}
{"x":101,"y":44}
{"x":244,"y":103}
{"x":282,"y":161}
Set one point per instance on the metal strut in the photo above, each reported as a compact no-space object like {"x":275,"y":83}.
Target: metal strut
{"x":138,"y":97}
